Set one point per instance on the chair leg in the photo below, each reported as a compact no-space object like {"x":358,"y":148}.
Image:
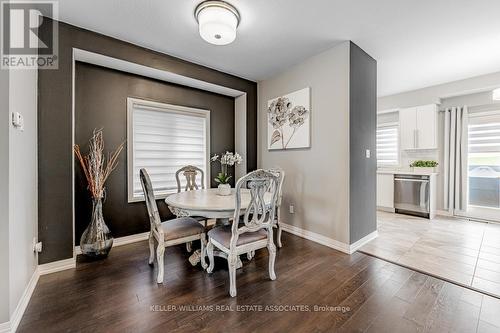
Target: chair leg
{"x":203,"y":251}
{"x":278,"y":236}
{"x":189,"y":246}
{"x":250,"y":255}
{"x":160,"y":251}
{"x":151,"y":249}
{"x":232,"y":260}
{"x":272,"y":257}
{"x":210,"y":254}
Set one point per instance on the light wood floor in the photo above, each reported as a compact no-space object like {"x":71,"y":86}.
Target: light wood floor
{"x":120,"y":294}
{"x":458,"y":250}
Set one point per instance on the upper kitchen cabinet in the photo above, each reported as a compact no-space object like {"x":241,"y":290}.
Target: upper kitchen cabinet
{"x":418,"y":127}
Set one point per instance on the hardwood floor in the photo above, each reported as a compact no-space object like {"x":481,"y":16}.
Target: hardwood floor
{"x":120,"y":294}
{"x":458,"y":250}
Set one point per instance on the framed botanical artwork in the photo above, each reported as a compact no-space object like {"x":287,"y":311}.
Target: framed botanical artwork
{"x":289,"y":125}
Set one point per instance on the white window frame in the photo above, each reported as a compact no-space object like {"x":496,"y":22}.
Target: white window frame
{"x":170,"y":108}
{"x":391,"y":124}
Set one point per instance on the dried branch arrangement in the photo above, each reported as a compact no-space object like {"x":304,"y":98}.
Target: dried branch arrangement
{"x":95,"y":166}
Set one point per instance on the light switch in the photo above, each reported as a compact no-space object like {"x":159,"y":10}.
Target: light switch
{"x":367,"y":153}
{"x":17,"y":120}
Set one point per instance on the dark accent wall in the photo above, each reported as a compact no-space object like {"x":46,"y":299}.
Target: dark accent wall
{"x":101,"y":102}
{"x":55,"y":125}
{"x":362,"y":136}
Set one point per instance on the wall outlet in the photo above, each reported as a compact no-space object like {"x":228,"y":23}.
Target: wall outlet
{"x":368,"y":153}
{"x":292,"y":209}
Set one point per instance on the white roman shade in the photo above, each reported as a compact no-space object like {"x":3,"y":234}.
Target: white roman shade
{"x":162,"y":138}
{"x":388,"y":144}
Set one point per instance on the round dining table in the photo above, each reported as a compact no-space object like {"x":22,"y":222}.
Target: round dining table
{"x":207,"y":203}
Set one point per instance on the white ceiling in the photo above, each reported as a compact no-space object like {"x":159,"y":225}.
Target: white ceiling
{"x":417,"y":43}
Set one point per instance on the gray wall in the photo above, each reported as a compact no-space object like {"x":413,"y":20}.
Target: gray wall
{"x":101,"y":102}
{"x":55,"y":125}
{"x":317,"y":179}
{"x":4,"y":195}
{"x":331,"y":184}
{"x":362,"y":136}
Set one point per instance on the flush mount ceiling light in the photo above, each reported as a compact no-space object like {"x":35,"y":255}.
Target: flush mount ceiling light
{"x":496,"y":94}
{"x":217,"y":21}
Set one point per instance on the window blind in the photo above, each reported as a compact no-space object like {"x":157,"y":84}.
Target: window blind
{"x":165,"y":138}
{"x":388,"y":145}
{"x":484,"y":133}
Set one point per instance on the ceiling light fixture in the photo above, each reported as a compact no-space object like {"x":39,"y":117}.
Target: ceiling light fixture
{"x":217,"y":21}
{"x":496,"y":94}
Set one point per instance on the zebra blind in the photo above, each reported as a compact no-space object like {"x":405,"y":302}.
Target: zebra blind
{"x":484,"y":133}
{"x":388,"y":144}
{"x":162,"y":139}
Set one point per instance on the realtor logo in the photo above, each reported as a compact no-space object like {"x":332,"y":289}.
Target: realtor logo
{"x":23,"y":45}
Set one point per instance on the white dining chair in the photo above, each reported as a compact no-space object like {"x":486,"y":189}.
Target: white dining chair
{"x":191,"y":173}
{"x":281,"y":177}
{"x":172,"y":232}
{"x":256,"y":229}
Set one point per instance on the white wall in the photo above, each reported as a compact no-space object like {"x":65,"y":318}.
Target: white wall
{"x":4,"y":196}
{"x":434,"y":94}
{"x":23,"y":209}
{"x":474,"y":92}
{"x":317,"y":179}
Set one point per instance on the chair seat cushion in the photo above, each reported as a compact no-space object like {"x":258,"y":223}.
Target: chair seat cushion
{"x":223,"y":236}
{"x":181,"y":227}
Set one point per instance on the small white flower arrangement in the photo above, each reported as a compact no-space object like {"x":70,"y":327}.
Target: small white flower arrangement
{"x":228,"y":158}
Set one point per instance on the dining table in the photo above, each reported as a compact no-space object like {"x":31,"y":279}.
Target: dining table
{"x":209,"y":204}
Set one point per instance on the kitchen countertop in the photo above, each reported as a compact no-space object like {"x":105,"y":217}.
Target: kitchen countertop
{"x":405,"y":172}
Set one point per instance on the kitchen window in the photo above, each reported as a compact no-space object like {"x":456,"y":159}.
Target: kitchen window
{"x":388,"y":144}
{"x":162,"y":138}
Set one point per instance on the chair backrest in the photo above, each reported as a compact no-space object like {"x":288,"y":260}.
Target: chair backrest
{"x":190,"y":172}
{"x":149,"y":196}
{"x":263,"y":188}
{"x":281,"y":177}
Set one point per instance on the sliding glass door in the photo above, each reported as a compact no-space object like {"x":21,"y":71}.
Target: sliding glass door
{"x":484,"y":166}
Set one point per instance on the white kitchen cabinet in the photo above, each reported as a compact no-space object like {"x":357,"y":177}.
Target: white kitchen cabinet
{"x":385,"y":191}
{"x":407,"y":127}
{"x":418,"y":126}
{"x":427,"y":118}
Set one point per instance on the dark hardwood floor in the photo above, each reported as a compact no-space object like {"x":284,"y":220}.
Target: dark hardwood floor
{"x":119,"y":294}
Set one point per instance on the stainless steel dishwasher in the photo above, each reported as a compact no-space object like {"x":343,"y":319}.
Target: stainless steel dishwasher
{"x":411,"y":195}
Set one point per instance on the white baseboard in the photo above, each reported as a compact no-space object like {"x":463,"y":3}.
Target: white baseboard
{"x":122,"y":240}
{"x":57,"y":266}
{"x":5,"y":327}
{"x":323,"y":240}
{"x":357,"y":245}
{"x":23,"y":302}
{"x":317,"y":238}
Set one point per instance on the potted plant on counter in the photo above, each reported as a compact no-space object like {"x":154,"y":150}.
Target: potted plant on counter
{"x":223,"y":177}
{"x":424,"y":166}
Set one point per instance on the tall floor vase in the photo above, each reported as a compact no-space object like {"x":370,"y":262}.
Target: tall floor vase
{"x":96,"y":240}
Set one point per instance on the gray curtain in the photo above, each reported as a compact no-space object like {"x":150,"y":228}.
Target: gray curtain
{"x":455,"y":159}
